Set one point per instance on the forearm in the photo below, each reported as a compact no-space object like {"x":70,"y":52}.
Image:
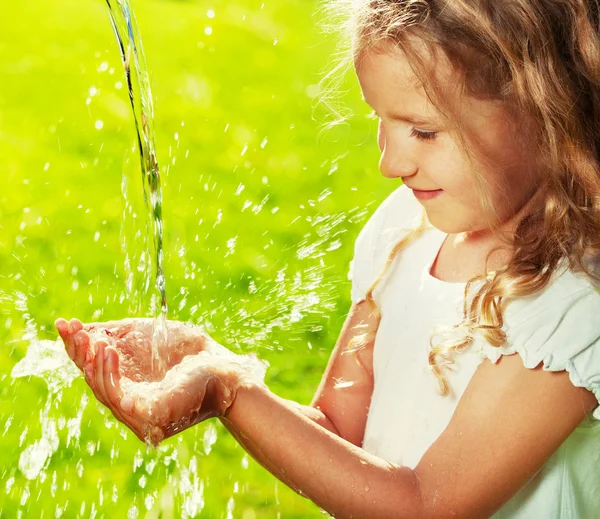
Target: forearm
{"x":338,"y":476}
{"x":314,"y":414}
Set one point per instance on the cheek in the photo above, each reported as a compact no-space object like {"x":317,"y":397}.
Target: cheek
{"x":448,"y":169}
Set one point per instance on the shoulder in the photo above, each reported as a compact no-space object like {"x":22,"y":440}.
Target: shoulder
{"x":557,"y":327}
{"x":564,"y":290}
{"x":570,"y":301}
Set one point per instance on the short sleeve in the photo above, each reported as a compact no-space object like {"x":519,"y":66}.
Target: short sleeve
{"x":563,"y":333}
{"x":399,"y":211}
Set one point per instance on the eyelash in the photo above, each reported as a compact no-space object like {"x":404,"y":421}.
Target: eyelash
{"x":422,"y":136}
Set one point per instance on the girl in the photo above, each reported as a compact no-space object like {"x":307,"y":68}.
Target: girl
{"x":489,"y":113}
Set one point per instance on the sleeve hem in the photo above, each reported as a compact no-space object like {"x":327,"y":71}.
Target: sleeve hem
{"x":530,"y":362}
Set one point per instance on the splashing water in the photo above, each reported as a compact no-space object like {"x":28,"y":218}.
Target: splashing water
{"x":65,"y":461}
{"x":140,"y":96}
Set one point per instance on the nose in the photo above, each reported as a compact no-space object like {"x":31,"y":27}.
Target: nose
{"x":395,"y":160}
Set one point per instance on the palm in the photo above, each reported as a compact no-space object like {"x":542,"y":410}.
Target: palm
{"x":132,"y":339}
{"x":199,"y":381}
{"x":190,"y":392}
{"x":135,"y":354}
{"x":166,"y":403}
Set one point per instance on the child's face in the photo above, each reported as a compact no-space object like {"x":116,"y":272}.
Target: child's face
{"x":434,"y":161}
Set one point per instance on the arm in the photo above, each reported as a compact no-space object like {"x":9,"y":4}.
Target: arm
{"x":338,"y":476}
{"x":342,"y":400}
{"x":344,"y":394}
{"x":508,"y":423}
{"x":341,"y":410}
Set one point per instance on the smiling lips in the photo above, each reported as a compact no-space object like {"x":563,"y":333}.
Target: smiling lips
{"x":427,"y":195}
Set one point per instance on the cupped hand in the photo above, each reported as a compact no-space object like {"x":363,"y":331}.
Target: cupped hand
{"x":202,"y":386}
{"x":201,"y":380}
{"x":132,"y":339}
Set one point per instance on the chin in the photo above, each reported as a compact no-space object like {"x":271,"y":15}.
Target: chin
{"x":445,"y":224}
{"x":449,"y":226}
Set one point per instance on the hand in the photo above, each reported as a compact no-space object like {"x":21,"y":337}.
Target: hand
{"x":201,"y":382}
{"x":133,"y":342}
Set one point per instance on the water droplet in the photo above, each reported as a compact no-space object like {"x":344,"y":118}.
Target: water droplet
{"x":210,"y":437}
{"x":99,"y":124}
{"x":149,"y":502}
{"x":208,"y":31}
{"x":210,"y":13}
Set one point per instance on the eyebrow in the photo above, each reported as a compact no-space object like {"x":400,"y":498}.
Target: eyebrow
{"x":408,"y":118}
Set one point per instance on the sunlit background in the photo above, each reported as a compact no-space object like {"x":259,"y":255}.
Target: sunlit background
{"x":261,"y":209}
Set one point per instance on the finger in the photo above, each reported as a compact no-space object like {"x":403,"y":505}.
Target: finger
{"x":73,"y":326}
{"x":65,"y":330}
{"x":62,"y":327}
{"x":112,"y":383}
{"x":115,"y":395}
{"x":82,"y":344}
{"x":96,"y":382}
{"x":91,"y":367}
{"x":76,"y":325}
{"x":99,"y":371}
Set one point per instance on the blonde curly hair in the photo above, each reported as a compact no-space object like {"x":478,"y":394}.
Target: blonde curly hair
{"x":536,"y":57}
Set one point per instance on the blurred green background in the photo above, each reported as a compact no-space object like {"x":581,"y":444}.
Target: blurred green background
{"x":261,"y":211}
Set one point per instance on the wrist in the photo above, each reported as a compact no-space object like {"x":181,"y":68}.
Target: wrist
{"x":246,"y":386}
{"x":245,"y":379}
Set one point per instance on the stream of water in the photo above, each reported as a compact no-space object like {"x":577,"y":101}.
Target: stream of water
{"x":68,"y":456}
{"x":140,"y":96}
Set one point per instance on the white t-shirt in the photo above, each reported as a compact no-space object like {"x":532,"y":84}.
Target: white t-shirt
{"x":559,"y":325}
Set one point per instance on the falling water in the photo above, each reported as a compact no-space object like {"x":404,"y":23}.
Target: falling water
{"x":65,"y":455}
{"x":140,"y":96}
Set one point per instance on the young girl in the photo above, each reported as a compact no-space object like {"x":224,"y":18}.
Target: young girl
{"x":489,"y":113}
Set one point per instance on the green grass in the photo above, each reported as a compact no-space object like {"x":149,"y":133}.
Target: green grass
{"x":61,"y":184}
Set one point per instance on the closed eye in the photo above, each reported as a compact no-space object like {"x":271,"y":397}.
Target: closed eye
{"x":423,"y":136}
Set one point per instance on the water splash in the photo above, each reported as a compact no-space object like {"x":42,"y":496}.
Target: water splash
{"x":140,"y":96}
{"x":48,"y":360}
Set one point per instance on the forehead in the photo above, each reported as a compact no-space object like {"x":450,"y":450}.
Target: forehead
{"x":387,"y":78}
{"x":387,"y":64}
{"x":385,"y":71}
{"x":390,"y":86}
